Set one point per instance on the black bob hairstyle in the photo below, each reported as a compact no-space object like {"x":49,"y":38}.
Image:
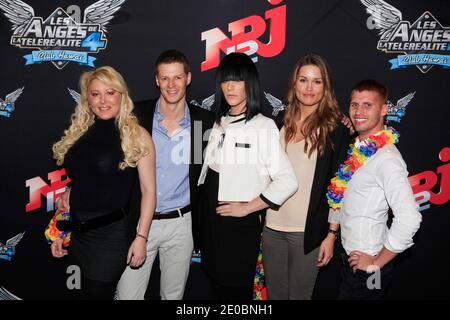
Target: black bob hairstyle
{"x":238,"y":67}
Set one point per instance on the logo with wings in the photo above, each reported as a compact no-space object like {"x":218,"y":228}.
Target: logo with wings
{"x":196,"y":257}
{"x":6,"y":295}
{"x":75,"y":95}
{"x":8,"y":250}
{"x":276,"y":104}
{"x":397,"y":111}
{"x":7,"y":105}
{"x":59,"y":38}
{"x":208,"y":103}
{"x":423,"y":43}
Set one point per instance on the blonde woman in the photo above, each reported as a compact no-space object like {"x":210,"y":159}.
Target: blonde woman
{"x":101,"y":150}
{"x":297,"y":239}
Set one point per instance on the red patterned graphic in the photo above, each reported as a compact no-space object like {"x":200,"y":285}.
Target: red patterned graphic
{"x":422,"y":183}
{"x":217,"y":41}
{"x":38,"y":188}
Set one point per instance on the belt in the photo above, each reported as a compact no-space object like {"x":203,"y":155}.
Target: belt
{"x":172,"y":214}
{"x":344,"y":259}
{"x":83,"y":226}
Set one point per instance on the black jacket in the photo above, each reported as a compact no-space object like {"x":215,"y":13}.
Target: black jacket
{"x":145,"y":110}
{"x":316,"y":227}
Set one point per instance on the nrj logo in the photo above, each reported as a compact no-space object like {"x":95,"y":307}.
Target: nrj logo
{"x":216,"y":41}
{"x":7,"y":106}
{"x":422,"y":183}
{"x":38,"y":188}
{"x":424,"y":43}
{"x":59,"y":38}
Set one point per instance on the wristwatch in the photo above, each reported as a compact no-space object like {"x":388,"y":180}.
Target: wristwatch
{"x":334,"y":232}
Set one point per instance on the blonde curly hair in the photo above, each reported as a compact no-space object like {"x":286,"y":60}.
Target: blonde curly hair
{"x":133,"y":144}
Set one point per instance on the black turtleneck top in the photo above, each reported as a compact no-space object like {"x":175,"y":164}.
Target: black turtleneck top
{"x":92,"y":163}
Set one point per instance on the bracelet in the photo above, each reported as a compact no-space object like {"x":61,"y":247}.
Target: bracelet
{"x":334,"y":232}
{"x":140,"y":235}
{"x":52,"y":233}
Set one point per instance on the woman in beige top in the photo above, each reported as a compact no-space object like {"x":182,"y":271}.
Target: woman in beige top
{"x":297,"y":239}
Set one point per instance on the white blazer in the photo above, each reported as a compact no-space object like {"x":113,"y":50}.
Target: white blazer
{"x":253,"y":162}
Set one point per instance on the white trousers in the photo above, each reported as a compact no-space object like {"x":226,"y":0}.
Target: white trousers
{"x":172,"y":238}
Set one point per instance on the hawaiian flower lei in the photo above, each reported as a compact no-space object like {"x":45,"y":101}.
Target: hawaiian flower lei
{"x":52,"y":233}
{"x":357,"y":156}
{"x":259,"y":281}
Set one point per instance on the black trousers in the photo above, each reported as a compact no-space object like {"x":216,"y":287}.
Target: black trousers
{"x":229,"y":245}
{"x":98,"y":290}
{"x":229,"y":293}
{"x":361,"y":285}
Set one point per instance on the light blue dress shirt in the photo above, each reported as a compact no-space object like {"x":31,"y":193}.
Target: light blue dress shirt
{"x":172,"y":162}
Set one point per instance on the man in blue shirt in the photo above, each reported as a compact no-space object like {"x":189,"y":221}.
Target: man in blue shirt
{"x":177,"y":129}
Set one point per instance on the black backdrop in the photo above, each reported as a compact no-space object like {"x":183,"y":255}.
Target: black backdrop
{"x":338,"y":30}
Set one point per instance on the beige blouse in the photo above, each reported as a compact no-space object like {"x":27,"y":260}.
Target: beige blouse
{"x":291,"y":217}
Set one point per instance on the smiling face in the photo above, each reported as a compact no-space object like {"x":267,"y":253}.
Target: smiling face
{"x":367,"y":111}
{"x":309,"y":86}
{"x":103,"y":100}
{"x":234,"y":93}
{"x":172,"y":81}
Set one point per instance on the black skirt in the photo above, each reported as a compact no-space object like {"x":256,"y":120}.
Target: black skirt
{"x":229,"y":245}
{"x":101,"y":253}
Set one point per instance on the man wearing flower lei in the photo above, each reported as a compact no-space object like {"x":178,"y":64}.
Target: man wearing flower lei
{"x":372,"y":180}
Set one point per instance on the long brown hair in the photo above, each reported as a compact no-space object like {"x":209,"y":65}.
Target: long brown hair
{"x":319,"y":125}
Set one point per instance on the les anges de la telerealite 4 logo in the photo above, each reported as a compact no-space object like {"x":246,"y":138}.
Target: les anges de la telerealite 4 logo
{"x":60,"y":38}
{"x":424,"y":43}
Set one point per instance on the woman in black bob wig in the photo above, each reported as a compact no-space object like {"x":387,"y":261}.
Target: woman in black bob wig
{"x":245,"y":171}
